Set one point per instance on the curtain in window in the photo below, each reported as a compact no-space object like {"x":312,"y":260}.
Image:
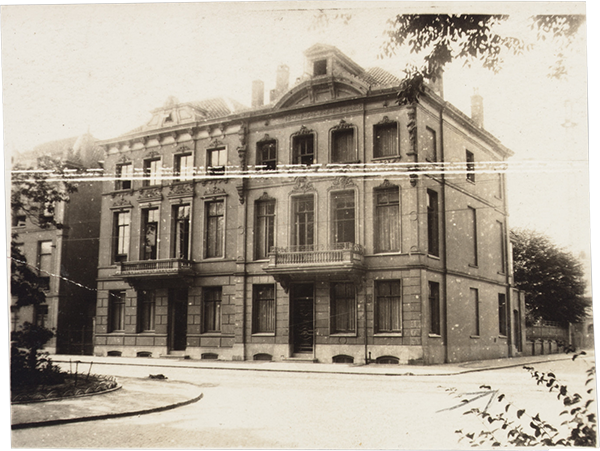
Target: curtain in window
{"x":264,"y":309}
{"x":343,"y":308}
{"x":212,"y":309}
{"x":214,"y":229}
{"x":387,"y":220}
{"x":386,"y":140}
{"x":389,"y":306}
{"x":343,"y":146}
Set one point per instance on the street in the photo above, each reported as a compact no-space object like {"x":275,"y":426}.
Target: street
{"x":297,"y":410}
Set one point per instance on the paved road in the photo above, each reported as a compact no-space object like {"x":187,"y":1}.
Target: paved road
{"x":296,"y":410}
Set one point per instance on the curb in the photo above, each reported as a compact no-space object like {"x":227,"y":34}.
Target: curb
{"x":105,"y":416}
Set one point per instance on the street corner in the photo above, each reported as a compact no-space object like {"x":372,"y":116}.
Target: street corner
{"x":136,"y":396}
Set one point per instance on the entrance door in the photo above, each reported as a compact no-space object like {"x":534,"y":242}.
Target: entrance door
{"x":178,"y":300}
{"x":302,"y":327}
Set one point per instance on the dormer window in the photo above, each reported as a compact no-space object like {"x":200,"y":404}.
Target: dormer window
{"x":320,"y":68}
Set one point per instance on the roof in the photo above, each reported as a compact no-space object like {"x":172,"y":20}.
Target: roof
{"x":376,"y":76}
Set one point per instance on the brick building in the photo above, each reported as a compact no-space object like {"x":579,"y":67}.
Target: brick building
{"x":330,"y":224}
{"x":66,"y":257}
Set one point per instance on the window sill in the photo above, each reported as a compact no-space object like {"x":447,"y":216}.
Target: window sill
{"x":471,"y":265}
{"x":388,"y":334}
{"x":117,"y":332}
{"x":434,"y":336}
{"x":501,"y":273}
{"x":434,"y":257}
{"x":387,"y":157}
{"x":504,"y":337}
{"x":475,"y":336}
{"x":147,"y":332}
{"x":342,"y":334}
{"x":211,"y":334}
{"x":263,"y":334}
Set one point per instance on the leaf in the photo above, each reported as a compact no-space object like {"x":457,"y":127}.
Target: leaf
{"x":501,"y":397}
{"x":520,"y":413}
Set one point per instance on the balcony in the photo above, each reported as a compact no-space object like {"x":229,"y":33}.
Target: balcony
{"x":311,"y":262}
{"x":154,"y":269}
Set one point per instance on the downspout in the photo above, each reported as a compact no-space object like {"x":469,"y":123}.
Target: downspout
{"x":444,"y":236}
{"x":364,"y":188}
{"x":242,"y":154}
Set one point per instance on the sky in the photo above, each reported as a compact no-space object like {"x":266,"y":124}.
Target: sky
{"x":102,"y":68}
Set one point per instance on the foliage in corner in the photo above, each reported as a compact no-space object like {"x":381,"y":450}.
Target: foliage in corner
{"x":35,"y":194}
{"x":508,"y":424}
{"x":552,"y":278}
{"x":443,"y":38}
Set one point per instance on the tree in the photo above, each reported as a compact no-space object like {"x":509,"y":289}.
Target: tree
{"x":552,"y":278}
{"x":35,"y":194}
{"x":443,"y":38}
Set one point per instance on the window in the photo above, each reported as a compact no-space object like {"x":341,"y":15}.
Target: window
{"x":472,"y":231}
{"x":303,"y":149}
{"x":181,"y":236}
{"x":389,"y":306}
{"x":435,"y":325}
{"x":121,"y":236}
{"x":265,"y":228}
{"x":124,"y":176}
{"x":303,"y":222}
{"x":433,"y":231}
{"x":266,"y":155}
{"x":500,"y":185}
{"x":150,"y":222}
{"x":474,"y":299}
{"x":19,"y":219}
{"x":184,"y":167}
{"x":343,"y":308}
{"x":216,"y":161}
{"x":212,"y":309}
{"x":387,"y":220}
{"x":14,"y":317}
{"x":45,"y":263}
{"x":116,"y":311}
{"x":41,"y":315}
{"x":386,"y":140}
{"x":470,"y":166}
{"x":342,"y":146}
{"x":215,"y":227}
{"x":502,"y":247}
{"x":152,"y":171}
{"x":320,"y":67}
{"x":430,"y":145}
{"x":146,"y":310}
{"x":502,"y":326}
{"x":343,"y":217}
{"x":263,"y":309}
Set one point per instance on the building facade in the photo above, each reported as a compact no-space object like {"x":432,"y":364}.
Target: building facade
{"x":65,"y":258}
{"x":330,"y":225}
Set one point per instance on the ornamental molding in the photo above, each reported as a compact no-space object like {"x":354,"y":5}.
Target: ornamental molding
{"x":302,"y":185}
{"x":121,"y":200}
{"x":147,"y":194}
{"x":412,"y":129}
{"x":343,"y":125}
{"x":152,"y":154}
{"x":342,"y":182}
{"x":266,"y":138}
{"x":386,"y":184}
{"x":265,"y":197}
{"x":304,"y":131}
{"x":385,"y":120}
{"x":243,"y":134}
{"x":182,"y":149}
{"x":124,"y":159}
{"x":181,"y":190}
{"x":215,"y":144}
{"x":211,"y":181}
{"x":215,"y":191}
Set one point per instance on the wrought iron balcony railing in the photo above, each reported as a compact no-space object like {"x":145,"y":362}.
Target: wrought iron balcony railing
{"x":155,"y":268}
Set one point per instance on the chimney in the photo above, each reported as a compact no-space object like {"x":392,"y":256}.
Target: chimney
{"x":477,"y":108}
{"x":258,"y":93}
{"x":283,"y":79}
{"x":436,"y":83}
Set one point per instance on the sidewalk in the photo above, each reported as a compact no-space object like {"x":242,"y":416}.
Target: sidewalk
{"x":309,"y":367}
{"x":140,"y":396}
{"x":135,"y":397}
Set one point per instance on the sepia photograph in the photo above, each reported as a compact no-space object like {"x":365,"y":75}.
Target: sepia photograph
{"x":298,"y":225}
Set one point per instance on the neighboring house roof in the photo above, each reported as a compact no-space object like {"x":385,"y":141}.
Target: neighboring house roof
{"x":375,"y":76}
{"x":76,"y":149}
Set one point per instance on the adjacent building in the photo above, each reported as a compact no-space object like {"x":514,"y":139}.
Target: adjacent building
{"x":330,"y":225}
{"x":65,"y":258}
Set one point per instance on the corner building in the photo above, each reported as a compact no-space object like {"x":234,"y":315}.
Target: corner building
{"x":330,"y":225}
